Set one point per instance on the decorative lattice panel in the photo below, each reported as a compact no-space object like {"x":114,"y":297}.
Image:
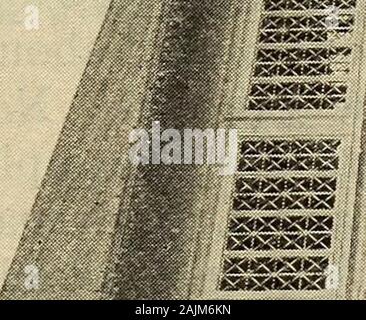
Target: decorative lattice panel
{"x":274,"y":5}
{"x":303,"y":29}
{"x":285,"y":218}
{"x":297,"y":96}
{"x":264,"y":274}
{"x":262,"y":193}
{"x":295,"y":42}
{"x":256,"y":192}
{"x":279,"y":155}
{"x":285,"y":233}
{"x":312,"y":62}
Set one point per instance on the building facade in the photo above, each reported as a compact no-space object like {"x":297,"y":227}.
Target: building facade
{"x":289,"y":224}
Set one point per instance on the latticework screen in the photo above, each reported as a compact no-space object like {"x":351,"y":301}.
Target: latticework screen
{"x":289,"y":224}
{"x":257,"y":191}
{"x":296,"y":40}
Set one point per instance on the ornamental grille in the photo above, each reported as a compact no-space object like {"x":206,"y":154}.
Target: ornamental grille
{"x":251,"y":230}
{"x":285,"y":233}
{"x":284,"y":221}
{"x":284,"y":193}
{"x":261,"y":274}
{"x":274,"y":5}
{"x":296,"y":39}
{"x":302,"y":62}
{"x":303,"y":29}
{"x":297,"y":96}
{"x":279,"y":155}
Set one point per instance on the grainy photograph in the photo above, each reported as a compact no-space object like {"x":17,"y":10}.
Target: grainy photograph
{"x":182,"y":150}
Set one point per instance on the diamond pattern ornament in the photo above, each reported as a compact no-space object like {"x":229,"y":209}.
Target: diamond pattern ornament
{"x":302,"y":62}
{"x":298,"y":29}
{"x":280,"y":233}
{"x":280,"y":5}
{"x":300,"y":65}
{"x":281,"y":155}
{"x":297,"y":96}
{"x":268,"y":274}
{"x":298,"y":193}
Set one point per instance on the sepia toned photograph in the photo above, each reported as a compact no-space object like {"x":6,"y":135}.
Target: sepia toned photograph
{"x":182,"y":150}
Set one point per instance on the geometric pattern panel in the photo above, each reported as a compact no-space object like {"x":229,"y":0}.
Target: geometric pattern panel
{"x":302,"y":61}
{"x":289,"y":155}
{"x":303,"y":29}
{"x":274,"y":5}
{"x":296,"y":193}
{"x":286,"y":48}
{"x":265,"y":274}
{"x":297,"y":96}
{"x":280,"y":233}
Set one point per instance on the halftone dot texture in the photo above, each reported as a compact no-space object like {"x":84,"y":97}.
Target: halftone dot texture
{"x":285,"y":226}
